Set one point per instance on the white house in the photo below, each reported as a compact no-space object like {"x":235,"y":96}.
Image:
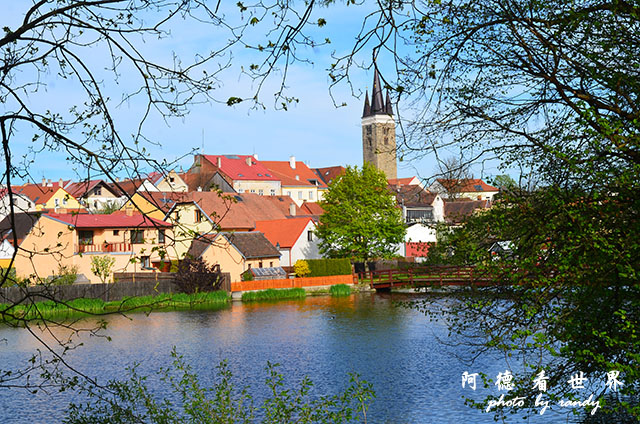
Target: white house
{"x":21,"y":203}
{"x":293,"y":237}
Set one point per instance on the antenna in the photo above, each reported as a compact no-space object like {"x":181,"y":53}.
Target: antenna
{"x":202,"y":148}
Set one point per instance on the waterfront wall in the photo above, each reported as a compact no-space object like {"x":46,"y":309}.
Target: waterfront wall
{"x":293,"y":282}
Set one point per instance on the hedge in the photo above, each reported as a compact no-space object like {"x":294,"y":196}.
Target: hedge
{"x":325,"y":267}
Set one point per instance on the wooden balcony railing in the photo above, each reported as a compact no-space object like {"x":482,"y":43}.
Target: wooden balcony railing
{"x":104,"y":247}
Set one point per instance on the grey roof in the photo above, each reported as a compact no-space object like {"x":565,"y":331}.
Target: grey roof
{"x":367,"y":106}
{"x":252,"y":244}
{"x":24,"y":222}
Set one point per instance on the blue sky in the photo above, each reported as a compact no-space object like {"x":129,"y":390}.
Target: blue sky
{"x":313,"y":130}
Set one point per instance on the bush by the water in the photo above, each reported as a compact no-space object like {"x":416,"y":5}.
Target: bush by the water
{"x":183,"y":398}
{"x":273,"y":294}
{"x":340,"y":290}
{"x":326,"y":267}
{"x":195,"y":275}
{"x":301,"y":268}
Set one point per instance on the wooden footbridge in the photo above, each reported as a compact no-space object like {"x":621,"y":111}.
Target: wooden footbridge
{"x":432,"y":276}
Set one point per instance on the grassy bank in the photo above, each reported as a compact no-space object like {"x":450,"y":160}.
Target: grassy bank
{"x":340,"y":290}
{"x":79,"y":307}
{"x":274,"y":294}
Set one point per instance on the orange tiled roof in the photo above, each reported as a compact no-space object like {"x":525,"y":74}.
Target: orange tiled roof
{"x":330,"y":173}
{"x":37,"y":193}
{"x":237,"y":168}
{"x":284,"y":232}
{"x":288,"y":175}
{"x":466,"y":185}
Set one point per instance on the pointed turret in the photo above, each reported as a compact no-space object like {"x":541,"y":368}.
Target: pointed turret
{"x":377,"y":103}
{"x":367,"y":106}
{"x":388,"y":107}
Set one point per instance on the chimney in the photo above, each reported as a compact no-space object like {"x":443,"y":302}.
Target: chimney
{"x":292,"y":162}
{"x":60,"y":183}
{"x":117,"y":179}
{"x":248,"y":160}
{"x":219,"y":162}
{"x":44,"y":182}
{"x":292,"y":209}
{"x":199,"y":188}
{"x":49,"y":183}
{"x":255,"y":156}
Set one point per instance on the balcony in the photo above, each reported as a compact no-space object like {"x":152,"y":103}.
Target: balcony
{"x":104,"y":248}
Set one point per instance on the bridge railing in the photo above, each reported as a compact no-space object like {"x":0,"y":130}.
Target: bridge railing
{"x":437,"y":275}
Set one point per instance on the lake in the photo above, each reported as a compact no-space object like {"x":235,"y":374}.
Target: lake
{"x":416,"y":377}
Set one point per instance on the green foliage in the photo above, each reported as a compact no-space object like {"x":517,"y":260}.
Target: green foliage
{"x":102,"y":266}
{"x":8,"y":277}
{"x":186,"y":400}
{"x":195,"y":275}
{"x":66,"y":275}
{"x":301,"y":268}
{"x":274,"y":294}
{"x":326,"y":267}
{"x":109,"y":207}
{"x":247,"y":275}
{"x":78,"y":307}
{"x":340,"y":290}
{"x":360,"y":218}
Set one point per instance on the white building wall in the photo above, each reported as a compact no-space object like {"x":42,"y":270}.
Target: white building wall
{"x":303,"y":248}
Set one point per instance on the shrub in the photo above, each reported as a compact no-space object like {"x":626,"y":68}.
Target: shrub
{"x":195,"y":275}
{"x":247,"y":275}
{"x":67,"y":274}
{"x":274,"y":294}
{"x":301,"y":268}
{"x":101,"y":266}
{"x":325,"y":267}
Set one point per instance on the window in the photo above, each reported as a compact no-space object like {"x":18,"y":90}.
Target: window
{"x":368,"y":127}
{"x":261,"y":192}
{"x":271,"y":264}
{"x":198,"y":216}
{"x":172,"y":180}
{"x":97,"y":191}
{"x":56,"y":202}
{"x":137,"y":236}
{"x":145,"y":262}
{"x":116,"y":232}
{"x":369,"y":140}
{"x":309,"y":235}
{"x":85,"y":237}
{"x":161,"y":236}
{"x":64,"y":201}
{"x":240,"y":190}
{"x":311,"y":195}
{"x":289,"y":193}
{"x":300,"y":195}
{"x":386,"y":140}
{"x":252,"y":190}
{"x":273,"y":191}
{"x":260,"y":264}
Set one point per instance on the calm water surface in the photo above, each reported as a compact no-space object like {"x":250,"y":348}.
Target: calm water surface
{"x":416,"y":377}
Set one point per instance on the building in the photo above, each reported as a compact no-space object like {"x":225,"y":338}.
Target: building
{"x":94,"y":195}
{"x":20,"y":202}
{"x":298,"y":181}
{"x":294,"y":238}
{"x":469,"y":188}
{"x":49,"y":196}
{"x":232,"y":173}
{"x":379,"y":131}
{"x":236,"y":253}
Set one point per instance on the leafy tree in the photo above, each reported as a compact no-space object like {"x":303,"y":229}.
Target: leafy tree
{"x":194,"y":275}
{"x":360,"y":219}
{"x":102,"y":266}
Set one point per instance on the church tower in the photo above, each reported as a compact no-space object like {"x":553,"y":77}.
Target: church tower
{"x":379,"y":131}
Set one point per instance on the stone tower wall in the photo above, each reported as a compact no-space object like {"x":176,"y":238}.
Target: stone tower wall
{"x":379,"y":143}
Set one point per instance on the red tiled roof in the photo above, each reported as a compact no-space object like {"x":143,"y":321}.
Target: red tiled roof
{"x":283,"y":231}
{"x":36,"y":192}
{"x":236,"y":167}
{"x":288,"y":174}
{"x":330,"y":173}
{"x":312,"y":208}
{"x":241,"y":211}
{"x":412,"y":195}
{"x":80,"y":189}
{"x":458,"y":211}
{"x":115,"y":220}
{"x":466,"y":185}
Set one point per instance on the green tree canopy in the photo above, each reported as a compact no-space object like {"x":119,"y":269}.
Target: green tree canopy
{"x":361,"y":219}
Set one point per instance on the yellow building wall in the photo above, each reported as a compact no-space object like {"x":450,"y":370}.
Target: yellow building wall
{"x":52,"y":244}
{"x":177,"y":185}
{"x":64,"y":200}
{"x":186,"y":228}
{"x":139,"y":204}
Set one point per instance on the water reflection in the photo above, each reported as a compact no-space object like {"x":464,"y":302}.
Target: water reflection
{"x":416,"y":378}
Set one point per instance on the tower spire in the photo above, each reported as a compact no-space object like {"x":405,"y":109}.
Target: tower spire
{"x":388,"y":107}
{"x":377,"y":103}
{"x":367,"y":106}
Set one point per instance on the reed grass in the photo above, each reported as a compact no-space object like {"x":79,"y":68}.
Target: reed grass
{"x":78,"y":307}
{"x":340,"y":290}
{"x":274,"y":294}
